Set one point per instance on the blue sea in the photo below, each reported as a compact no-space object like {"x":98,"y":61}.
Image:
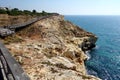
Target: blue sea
{"x":105,"y":58}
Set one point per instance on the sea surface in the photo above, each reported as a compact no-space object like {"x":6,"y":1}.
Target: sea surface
{"x":105,"y":58}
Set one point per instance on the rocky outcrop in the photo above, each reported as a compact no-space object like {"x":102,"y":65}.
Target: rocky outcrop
{"x":53,"y":49}
{"x":88,"y":43}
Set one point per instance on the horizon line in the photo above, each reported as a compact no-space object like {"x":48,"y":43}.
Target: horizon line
{"x":91,"y":14}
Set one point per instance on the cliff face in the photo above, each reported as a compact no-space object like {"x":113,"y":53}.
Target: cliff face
{"x":52,"y":49}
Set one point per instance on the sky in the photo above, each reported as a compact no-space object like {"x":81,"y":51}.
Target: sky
{"x":67,"y":7}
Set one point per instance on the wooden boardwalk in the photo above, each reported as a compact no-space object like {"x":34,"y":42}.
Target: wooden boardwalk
{"x":11,"y":29}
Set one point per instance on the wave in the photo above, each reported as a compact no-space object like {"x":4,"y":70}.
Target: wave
{"x":88,"y":54}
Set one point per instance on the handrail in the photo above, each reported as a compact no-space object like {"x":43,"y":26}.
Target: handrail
{"x":10,"y":68}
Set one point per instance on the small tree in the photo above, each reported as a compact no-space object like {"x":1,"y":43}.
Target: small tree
{"x":14,"y":12}
{"x":15,"y":9}
{"x":34,"y":11}
{"x":44,"y":13}
{"x":27,"y":12}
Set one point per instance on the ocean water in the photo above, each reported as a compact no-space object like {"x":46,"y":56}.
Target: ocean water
{"x":105,"y":58}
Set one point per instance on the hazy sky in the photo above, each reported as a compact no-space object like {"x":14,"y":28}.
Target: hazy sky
{"x":69,"y":7}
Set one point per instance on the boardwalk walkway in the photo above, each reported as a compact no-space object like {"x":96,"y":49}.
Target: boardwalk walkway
{"x":11,"y":29}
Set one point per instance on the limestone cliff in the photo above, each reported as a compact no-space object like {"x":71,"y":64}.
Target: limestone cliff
{"x":53,"y":49}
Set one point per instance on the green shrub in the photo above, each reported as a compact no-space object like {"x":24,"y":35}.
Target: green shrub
{"x":2,"y":11}
{"x":16,"y":11}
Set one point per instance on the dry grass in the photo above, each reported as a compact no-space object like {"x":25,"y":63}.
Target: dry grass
{"x":12,"y":39}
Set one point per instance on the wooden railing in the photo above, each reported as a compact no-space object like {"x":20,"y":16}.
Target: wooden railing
{"x":10,"y":69}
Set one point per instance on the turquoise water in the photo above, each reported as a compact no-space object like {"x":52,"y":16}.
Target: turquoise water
{"x":105,"y":58}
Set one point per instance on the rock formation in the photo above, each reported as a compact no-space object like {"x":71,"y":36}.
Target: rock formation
{"x":52,"y":49}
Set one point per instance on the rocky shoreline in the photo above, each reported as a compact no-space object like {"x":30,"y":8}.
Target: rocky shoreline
{"x":52,"y":49}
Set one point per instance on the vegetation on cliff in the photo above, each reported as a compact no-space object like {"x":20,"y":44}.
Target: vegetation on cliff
{"x":16,"y":12}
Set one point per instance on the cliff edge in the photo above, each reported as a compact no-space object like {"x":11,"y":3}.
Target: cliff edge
{"x":52,"y":49}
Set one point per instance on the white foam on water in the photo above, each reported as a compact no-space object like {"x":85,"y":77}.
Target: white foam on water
{"x":88,"y":54}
